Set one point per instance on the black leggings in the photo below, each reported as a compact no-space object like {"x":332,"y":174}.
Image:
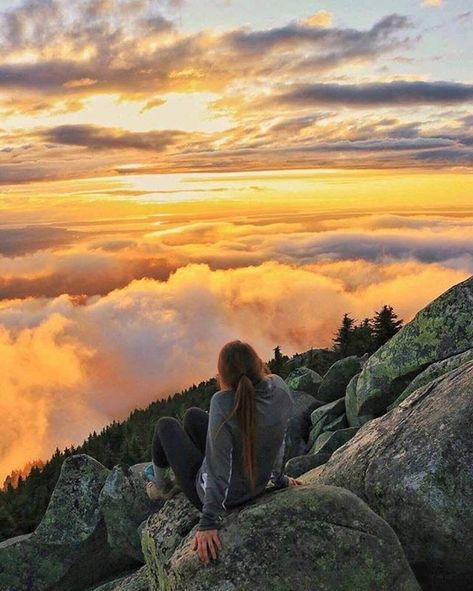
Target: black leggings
{"x":182,"y":446}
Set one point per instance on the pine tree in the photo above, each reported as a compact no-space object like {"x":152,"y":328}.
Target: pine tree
{"x":362,"y":338}
{"x":385,"y":326}
{"x":342,"y":342}
{"x":277,"y":363}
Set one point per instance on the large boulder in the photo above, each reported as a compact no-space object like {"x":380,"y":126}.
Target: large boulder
{"x":434,"y":371}
{"x":299,"y":465}
{"x":135,"y":581}
{"x":317,"y":359}
{"x":298,"y":426}
{"x":308,"y":537}
{"x":414,"y":467}
{"x":335,"y":381}
{"x":69,"y":550}
{"x":328,"y":416}
{"x":305,"y":379}
{"x":163,"y":531}
{"x":329,"y":441}
{"x":441,"y":329}
{"x":124,"y":504}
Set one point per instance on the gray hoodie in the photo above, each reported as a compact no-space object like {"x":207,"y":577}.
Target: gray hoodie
{"x":220,"y":481}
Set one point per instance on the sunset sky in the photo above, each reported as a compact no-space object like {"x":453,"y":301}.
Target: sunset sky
{"x":177,"y":174}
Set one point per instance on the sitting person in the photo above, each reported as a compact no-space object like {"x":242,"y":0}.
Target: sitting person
{"x":227,"y":456}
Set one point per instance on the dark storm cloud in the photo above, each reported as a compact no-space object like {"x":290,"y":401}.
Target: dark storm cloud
{"x":377,"y":94}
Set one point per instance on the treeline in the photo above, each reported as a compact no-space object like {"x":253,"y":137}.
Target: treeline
{"x":129,"y":441}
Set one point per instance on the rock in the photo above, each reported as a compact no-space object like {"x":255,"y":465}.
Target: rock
{"x":163,"y":531}
{"x":338,"y":423}
{"x":298,"y":427}
{"x":69,"y":550}
{"x":317,"y":359}
{"x":297,"y":466}
{"x":329,"y":441}
{"x":73,"y":513}
{"x":434,"y":371}
{"x":335,"y":381}
{"x":323,"y":416}
{"x":305,"y":379}
{"x":312,"y":476}
{"x":414,"y":467}
{"x":307,"y":537}
{"x":124,"y":504}
{"x":441,"y":329}
{"x":15,"y":540}
{"x":332,"y":410}
{"x":136,"y":581}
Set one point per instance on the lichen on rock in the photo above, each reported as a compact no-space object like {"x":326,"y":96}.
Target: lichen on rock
{"x":414,"y":467}
{"x":314,"y":537}
{"x":440,"y":330}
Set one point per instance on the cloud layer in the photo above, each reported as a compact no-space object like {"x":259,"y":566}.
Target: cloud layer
{"x":70,"y":366}
{"x":99,"y":318}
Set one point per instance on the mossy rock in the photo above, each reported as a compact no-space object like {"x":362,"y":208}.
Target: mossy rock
{"x":69,"y":549}
{"x":298,"y":426}
{"x":124,"y":504}
{"x":325,"y":415}
{"x":163,"y":531}
{"x":305,"y":379}
{"x":414,"y":467}
{"x":335,"y":381}
{"x":299,"y":465}
{"x":440,"y":330}
{"x":432,"y":372}
{"x":329,"y":441}
{"x":307,"y":537}
{"x":135,"y":581}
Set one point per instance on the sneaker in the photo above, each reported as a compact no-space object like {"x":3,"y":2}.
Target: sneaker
{"x":158,"y":493}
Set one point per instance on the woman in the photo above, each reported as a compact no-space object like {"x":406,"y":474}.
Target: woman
{"x":227,"y":456}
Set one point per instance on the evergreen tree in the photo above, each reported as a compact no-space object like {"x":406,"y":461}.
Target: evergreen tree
{"x":385,"y":326}
{"x":362,"y":338}
{"x":278,"y":362}
{"x":343,"y":340}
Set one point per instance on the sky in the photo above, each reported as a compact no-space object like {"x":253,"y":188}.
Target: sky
{"x":177,"y":174}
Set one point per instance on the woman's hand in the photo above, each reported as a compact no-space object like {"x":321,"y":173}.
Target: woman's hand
{"x":294,"y":481}
{"x":207,"y":544}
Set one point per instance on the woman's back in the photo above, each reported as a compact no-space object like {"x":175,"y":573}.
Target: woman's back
{"x":221,"y":481}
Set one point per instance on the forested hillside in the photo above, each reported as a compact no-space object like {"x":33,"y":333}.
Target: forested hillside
{"x":129,"y":441}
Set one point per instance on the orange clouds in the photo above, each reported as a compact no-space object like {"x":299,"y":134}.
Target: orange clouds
{"x":73,"y":367}
{"x":96,"y":92}
{"x":40,"y":369}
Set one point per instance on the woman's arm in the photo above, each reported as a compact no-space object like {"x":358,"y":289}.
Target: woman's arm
{"x":218,"y":458}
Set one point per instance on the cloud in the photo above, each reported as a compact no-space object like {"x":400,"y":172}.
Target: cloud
{"x":20,"y":241}
{"x":101,"y":138}
{"x":98,"y":262}
{"x":69,"y":368}
{"x":321,"y":18}
{"x":146,"y":56}
{"x":399,"y":93}
{"x":464,"y":16}
{"x":431,"y":3}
